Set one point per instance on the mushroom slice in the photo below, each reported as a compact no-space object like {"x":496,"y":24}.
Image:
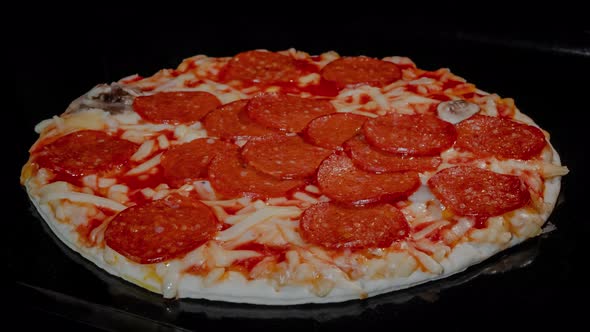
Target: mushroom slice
{"x":113,"y":98}
{"x":456,"y":111}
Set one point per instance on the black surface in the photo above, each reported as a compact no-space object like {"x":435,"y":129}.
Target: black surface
{"x":536,"y":284}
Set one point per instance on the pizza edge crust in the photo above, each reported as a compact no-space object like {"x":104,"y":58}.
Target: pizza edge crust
{"x":262,"y":292}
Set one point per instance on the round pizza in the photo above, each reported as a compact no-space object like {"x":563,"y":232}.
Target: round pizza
{"x":284,"y":178}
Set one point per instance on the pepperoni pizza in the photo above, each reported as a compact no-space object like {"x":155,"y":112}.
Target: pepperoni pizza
{"x":284,"y":178}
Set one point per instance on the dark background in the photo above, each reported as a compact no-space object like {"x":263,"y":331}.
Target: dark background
{"x":544,"y":67}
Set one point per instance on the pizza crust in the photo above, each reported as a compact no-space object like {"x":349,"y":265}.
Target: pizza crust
{"x":239,"y":290}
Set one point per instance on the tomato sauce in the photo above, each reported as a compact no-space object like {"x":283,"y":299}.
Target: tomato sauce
{"x":84,"y":231}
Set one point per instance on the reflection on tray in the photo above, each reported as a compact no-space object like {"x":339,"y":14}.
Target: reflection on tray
{"x":135,"y":302}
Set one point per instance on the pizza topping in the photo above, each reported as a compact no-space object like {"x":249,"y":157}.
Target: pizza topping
{"x":340,"y":180}
{"x":361,"y":70}
{"x":231,"y":121}
{"x":232,"y":178}
{"x":114,"y":98}
{"x":416,"y":134}
{"x":59,"y":190}
{"x":175,"y":107}
{"x":161,"y":230}
{"x":85,"y":152}
{"x":284,"y":157}
{"x":146,"y":166}
{"x":333,"y":226}
{"x":332,"y":130}
{"x":285,"y":112}
{"x":475,"y":192}
{"x":370,"y":159}
{"x":499,"y":137}
{"x":261,"y":67}
{"x":456,"y":111}
{"x":187,"y":162}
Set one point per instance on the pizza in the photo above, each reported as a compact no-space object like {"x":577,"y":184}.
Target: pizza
{"x":284,"y":178}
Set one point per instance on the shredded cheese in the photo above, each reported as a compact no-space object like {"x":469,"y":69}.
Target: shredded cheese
{"x":305,"y":197}
{"x":144,"y":151}
{"x":163,"y":142}
{"x":146,"y":166}
{"x":84,"y":198}
{"x":256,"y":218}
{"x":427,"y":262}
{"x":430,"y":228}
{"x":224,"y":258}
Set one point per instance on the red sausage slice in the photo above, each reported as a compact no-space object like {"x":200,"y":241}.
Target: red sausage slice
{"x":231,"y":121}
{"x":340,"y":180}
{"x":284,"y":157}
{"x":188,"y":162}
{"x":333,"y":226}
{"x":260,"y":67}
{"x":358,"y":70}
{"x":471,"y":191}
{"x":175,"y":107}
{"x":287,"y":113}
{"x":231,"y":177}
{"x":416,"y":134}
{"x":161,"y":230}
{"x":492,"y":136}
{"x":86,"y":152}
{"x":370,"y":159}
{"x":332,"y":130}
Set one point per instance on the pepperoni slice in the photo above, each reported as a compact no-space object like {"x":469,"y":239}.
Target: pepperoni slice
{"x":288,"y":113}
{"x":86,"y":152}
{"x":231,"y":177}
{"x":340,"y":180}
{"x":188,"y":162}
{"x":370,"y":159}
{"x":472,"y":191}
{"x":161,"y":230}
{"x":358,"y":70}
{"x":175,"y":107}
{"x":284,"y":157}
{"x":493,"y":136}
{"x":231,"y":121}
{"x":260,"y":67}
{"x":416,"y":134}
{"x":333,"y":226}
{"x":332,"y":130}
